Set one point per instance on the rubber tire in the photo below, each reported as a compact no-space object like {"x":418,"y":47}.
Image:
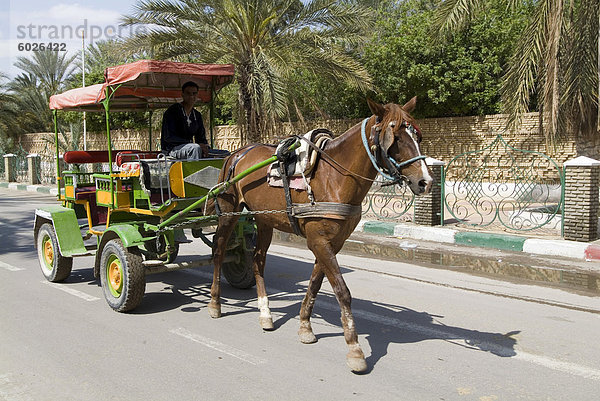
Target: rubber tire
{"x":132,"y":277}
{"x":58,"y":268}
{"x":241,"y":275}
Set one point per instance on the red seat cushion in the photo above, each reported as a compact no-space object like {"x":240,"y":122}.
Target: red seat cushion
{"x":125,"y":156}
{"x":86,"y":156}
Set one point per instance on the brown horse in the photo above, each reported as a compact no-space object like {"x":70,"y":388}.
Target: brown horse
{"x":343,"y":175}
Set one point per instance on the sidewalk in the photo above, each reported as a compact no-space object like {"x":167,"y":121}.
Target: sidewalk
{"x":534,"y":246}
{"x":580,"y":251}
{"x":30,"y":188}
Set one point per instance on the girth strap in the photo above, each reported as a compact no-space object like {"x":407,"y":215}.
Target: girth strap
{"x":330,"y":210}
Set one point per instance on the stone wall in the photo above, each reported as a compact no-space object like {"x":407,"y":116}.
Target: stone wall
{"x":443,"y":138}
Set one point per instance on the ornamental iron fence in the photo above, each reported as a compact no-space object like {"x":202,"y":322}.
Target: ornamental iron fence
{"x":391,"y":202}
{"x":500,"y":185}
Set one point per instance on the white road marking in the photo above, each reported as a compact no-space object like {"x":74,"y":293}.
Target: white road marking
{"x":218,"y":346}
{"x":10,"y":268}
{"x":72,"y":291}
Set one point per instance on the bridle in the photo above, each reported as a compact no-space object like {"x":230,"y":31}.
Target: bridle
{"x":390,"y":170}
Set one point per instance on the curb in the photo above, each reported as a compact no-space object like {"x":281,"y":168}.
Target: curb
{"x":535,"y":246}
{"x":30,"y":188}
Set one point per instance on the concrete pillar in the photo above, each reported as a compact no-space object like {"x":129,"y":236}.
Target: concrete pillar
{"x":10,"y":172}
{"x":580,"y":211}
{"x":33,"y":169}
{"x":428,"y":208}
{"x":62,"y":164}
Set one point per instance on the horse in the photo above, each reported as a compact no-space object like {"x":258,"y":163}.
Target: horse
{"x":343,"y":175}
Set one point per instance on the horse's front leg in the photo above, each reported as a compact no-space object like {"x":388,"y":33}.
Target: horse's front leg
{"x":220,"y":240}
{"x":263,"y":241}
{"x":316,"y":279}
{"x":328,"y":262}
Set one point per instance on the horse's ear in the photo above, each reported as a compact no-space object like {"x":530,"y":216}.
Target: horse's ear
{"x":410,"y":105}
{"x":376,"y":108}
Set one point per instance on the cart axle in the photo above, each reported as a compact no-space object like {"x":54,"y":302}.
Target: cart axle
{"x":153,"y":266}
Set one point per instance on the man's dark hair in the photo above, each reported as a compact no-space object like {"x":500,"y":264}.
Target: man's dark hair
{"x":188,"y":84}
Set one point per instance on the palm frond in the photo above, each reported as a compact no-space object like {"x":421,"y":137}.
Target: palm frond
{"x":453,"y":15}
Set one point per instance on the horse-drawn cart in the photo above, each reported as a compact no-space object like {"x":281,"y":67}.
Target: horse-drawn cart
{"x":136,"y":208}
{"x":128,"y":208}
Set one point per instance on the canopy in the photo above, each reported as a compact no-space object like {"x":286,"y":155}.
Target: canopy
{"x":145,"y":84}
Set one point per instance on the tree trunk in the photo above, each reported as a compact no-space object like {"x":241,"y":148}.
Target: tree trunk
{"x":250,"y":129}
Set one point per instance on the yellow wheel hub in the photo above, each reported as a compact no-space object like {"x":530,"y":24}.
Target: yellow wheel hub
{"x":48,"y":254}
{"x":115,"y":276}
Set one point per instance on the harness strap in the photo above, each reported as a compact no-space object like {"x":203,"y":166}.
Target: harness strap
{"x":330,"y":210}
{"x":282,"y":157}
{"x":392,"y":165}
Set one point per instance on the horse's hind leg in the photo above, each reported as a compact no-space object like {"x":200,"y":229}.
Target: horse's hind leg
{"x":263,"y":241}
{"x":316,"y":279}
{"x":220,"y":240}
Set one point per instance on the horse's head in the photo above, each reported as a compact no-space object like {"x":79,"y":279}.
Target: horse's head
{"x":395,"y":138}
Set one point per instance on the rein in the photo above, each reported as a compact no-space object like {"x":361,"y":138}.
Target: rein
{"x":393,"y":175}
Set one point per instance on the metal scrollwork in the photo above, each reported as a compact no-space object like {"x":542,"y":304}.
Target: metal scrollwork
{"x":390,"y":202}
{"x":499,"y":184}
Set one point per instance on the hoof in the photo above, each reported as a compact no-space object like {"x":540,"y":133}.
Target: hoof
{"x":266,"y":323}
{"x":357,"y":365}
{"x":214,"y":311}
{"x":307,"y":336}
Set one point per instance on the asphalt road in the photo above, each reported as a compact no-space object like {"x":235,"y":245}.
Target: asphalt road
{"x":428,"y":334}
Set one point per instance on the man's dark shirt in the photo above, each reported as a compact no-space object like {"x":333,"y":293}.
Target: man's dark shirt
{"x":176,"y":131}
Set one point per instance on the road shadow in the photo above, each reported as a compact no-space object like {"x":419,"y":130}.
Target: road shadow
{"x":382,"y":324}
{"x":16,"y":225}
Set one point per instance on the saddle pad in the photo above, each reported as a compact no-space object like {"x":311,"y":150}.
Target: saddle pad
{"x":274,"y":180}
{"x":302,"y":161}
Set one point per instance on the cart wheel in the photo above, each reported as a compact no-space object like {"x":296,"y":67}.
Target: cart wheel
{"x":55,"y":267}
{"x":122,"y":276}
{"x":240,"y":274}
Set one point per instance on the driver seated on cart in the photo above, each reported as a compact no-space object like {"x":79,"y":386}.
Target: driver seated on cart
{"x":183,"y":135}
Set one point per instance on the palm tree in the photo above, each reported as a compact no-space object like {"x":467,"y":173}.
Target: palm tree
{"x":556,"y":59}
{"x":8,"y":110}
{"x":44,"y":74}
{"x":265,"y":39}
{"x":50,"y":68}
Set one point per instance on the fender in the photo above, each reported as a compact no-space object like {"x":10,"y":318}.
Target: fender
{"x":127,"y":233}
{"x":64,"y":220}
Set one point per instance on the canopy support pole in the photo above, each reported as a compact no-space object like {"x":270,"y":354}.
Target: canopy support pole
{"x":54,"y":112}
{"x":213,"y":94}
{"x":106,"y":104}
{"x":150,"y":131}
